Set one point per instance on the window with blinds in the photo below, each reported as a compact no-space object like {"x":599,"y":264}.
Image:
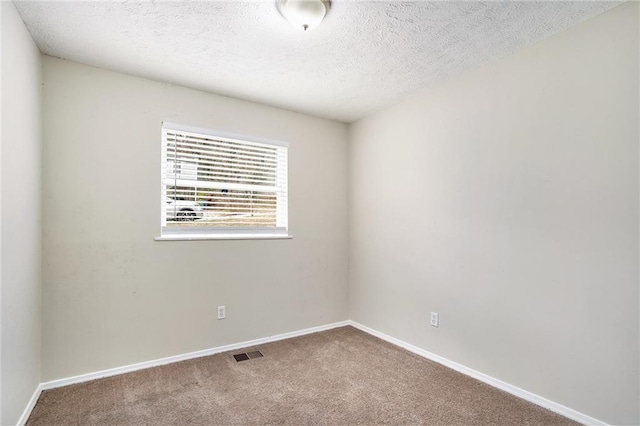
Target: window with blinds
{"x":215,"y":185}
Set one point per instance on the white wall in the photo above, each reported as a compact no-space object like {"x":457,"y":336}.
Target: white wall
{"x":20,"y":216}
{"x":112,"y":295}
{"x":507,"y":200}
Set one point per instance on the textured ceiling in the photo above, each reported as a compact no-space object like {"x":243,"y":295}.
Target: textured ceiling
{"x":365,"y":56}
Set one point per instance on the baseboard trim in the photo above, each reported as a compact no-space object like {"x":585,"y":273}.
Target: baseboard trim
{"x":514,"y":390}
{"x":163,"y":361}
{"x":183,"y":357}
{"x":32,"y":403}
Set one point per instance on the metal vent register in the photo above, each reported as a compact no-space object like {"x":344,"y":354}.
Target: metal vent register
{"x":248,"y":355}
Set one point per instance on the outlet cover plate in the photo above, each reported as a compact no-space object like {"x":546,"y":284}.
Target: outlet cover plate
{"x":435,"y":319}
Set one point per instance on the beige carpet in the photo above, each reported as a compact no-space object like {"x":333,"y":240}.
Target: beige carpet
{"x":342,"y":376}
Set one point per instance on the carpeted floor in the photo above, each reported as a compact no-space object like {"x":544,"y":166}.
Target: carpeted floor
{"x":341,"y":376}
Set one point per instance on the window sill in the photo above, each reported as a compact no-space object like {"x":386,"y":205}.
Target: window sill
{"x":224,"y":237}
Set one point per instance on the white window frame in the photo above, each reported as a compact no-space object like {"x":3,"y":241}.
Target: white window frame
{"x":226,"y":233}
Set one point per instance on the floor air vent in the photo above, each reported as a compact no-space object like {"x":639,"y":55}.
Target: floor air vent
{"x":248,"y":355}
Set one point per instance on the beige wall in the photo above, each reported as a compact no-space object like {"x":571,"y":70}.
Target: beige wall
{"x":112,"y":295}
{"x":507,"y":200}
{"x":20,"y":216}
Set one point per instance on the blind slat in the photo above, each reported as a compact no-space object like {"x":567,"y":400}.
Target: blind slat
{"x":177,"y":149}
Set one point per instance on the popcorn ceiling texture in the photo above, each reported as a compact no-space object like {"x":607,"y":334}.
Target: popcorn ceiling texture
{"x":365,"y":56}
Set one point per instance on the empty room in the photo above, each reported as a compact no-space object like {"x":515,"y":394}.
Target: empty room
{"x":319,"y":212}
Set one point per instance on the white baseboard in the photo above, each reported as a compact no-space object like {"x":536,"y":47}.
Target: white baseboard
{"x":520,"y":393}
{"x":183,"y":357}
{"x":162,"y":361}
{"x":32,"y":403}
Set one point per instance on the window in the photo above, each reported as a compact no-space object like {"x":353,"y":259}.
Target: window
{"x":217,"y":186}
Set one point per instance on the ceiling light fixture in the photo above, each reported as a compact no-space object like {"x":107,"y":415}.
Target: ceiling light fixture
{"x":304,"y":14}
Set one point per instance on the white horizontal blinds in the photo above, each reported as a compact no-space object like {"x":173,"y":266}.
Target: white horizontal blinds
{"x":231,"y":185}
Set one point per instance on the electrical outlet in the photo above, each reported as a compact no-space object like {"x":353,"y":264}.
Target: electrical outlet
{"x":222,"y":312}
{"x":435,"y":319}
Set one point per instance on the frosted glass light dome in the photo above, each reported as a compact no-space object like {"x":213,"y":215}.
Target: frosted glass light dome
{"x":304,"y":14}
